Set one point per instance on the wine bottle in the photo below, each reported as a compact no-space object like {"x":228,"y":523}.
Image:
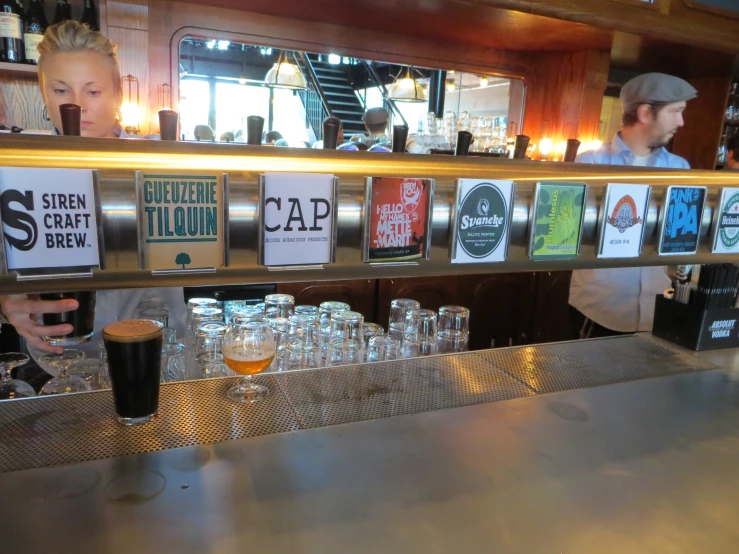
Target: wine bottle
{"x":63,"y":11}
{"x":11,"y":32}
{"x":90,"y":15}
{"x":36,"y":24}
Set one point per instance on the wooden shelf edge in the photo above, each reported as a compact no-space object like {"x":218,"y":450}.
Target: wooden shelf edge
{"x":26,"y":68}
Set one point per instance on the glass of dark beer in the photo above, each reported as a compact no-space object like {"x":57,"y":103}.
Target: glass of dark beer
{"x":82,"y":319}
{"x":134,"y":349}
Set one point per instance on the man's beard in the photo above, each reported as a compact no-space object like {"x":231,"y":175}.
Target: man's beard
{"x":664,"y":140}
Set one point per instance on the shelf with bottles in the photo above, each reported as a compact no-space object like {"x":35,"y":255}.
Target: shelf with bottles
{"x":25,"y":68}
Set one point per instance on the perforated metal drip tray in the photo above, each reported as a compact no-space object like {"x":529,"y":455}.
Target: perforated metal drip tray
{"x":68,"y":429}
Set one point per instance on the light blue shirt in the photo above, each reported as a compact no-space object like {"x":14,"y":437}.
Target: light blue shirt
{"x":617,"y":153}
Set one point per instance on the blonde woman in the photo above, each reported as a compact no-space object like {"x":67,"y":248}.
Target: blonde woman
{"x":80,"y":66}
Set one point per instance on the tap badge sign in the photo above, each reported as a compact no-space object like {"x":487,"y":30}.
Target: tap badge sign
{"x":682,"y":221}
{"x":399,"y":216}
{"x":480,"y":227}
{"x":726,"y":239}
{"x":623,"y":229}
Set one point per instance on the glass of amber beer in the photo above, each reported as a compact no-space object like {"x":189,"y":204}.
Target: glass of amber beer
{"x":248,"y":348}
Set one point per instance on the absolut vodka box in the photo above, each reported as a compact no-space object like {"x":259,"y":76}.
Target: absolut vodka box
{"x":696,"y":328}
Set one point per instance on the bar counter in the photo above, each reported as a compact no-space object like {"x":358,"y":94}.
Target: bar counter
{"x":627,"y":444}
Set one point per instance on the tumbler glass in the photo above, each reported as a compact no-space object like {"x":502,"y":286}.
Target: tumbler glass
{"x":399,"y":308}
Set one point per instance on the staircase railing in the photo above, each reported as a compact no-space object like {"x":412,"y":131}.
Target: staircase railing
{"x":314,"y":99}
{"x":389,"y":102}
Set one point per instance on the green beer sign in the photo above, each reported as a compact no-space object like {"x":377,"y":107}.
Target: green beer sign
{"x":481,"y":224}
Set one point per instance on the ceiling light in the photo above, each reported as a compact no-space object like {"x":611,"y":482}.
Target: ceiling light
{"x":223,"y":44}
{"x":211,"y":44}
{"x":242,"y":81}
{"x":285,"y":74}
{"x":451,"y":86}
{"x":334,"y":59}
{"x":484,"y":81}
{"x":406,"y":89}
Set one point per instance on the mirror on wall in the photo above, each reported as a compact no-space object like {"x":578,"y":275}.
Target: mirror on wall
{"x":222,"y":83}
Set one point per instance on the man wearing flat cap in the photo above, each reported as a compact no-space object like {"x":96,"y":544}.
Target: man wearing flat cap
{"x":375,"y":121}
{"x":612,"y":301}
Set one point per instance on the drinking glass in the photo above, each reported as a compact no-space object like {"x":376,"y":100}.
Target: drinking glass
{"x":419,"y":338}
{"x":279,"y":305}
{"x":155,"y":314}
{"x":230,"y":307}
{"x":305,"y":309}
{"x":173,"y":363}
{"x":64,"y":383}
{"x":343,"y":352}
{"x":399,"y":308}
{"x":454,"y":329}
{"x":199,"y":316}
{"x":134,"y":351}
{"x":248,"y":349}
{"x":9,"y":387}
{"x":208,"y":357}
{"x":372,"y":330}
{"x":103,"y":363}
{"x":302,"y":355}
{"x":197,"y":303}
{"x":325,"y":311}
{"x":82,"y":319}
{"x":245,"y":317}
{"x":347,"y":325}
{"x":280,"y":332}
{"x":304,"y":328}
{"x":383,"y":348}
{"x":261,"y":306}
{"x":87,"y":369}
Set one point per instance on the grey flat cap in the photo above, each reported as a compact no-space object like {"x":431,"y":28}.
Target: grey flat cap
{"x":651,"y":88}
{"x":376,"y":116}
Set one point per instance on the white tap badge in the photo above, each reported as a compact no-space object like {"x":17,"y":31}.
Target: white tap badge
{"x":297,"y":218}
{"x":481,"y":224}
{"x":726,"y":233}
{"x":623,"y":226}
{"x":48,"y":218}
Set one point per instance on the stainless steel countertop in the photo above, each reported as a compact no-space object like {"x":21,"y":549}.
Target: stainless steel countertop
{"x":638,"y":467}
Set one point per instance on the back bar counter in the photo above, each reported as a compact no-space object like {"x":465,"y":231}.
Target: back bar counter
{"x":626,"y":444}
{"x":119,"y":161}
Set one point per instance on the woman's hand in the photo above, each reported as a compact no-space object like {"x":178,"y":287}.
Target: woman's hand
{"x":21,"y":311}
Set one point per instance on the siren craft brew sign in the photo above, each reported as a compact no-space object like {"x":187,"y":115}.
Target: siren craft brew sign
{"x":181,"y":220}
{"x":623,"y":226}
{"x":399,"y":218}
{"x":49,"y":218}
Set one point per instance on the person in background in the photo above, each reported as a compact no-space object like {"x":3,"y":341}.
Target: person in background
{"x":204,"y":133}
{"x":272,"y":136}
{"x":612,"y":301}
{"x":732,"y":154}
{"x":80,"y":66}
{"x":376,"y":122}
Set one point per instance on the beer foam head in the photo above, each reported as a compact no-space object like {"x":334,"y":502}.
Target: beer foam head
{"x":132,"y":330}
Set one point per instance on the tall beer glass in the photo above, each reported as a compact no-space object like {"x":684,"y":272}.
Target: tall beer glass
{"x":82,"y":319}
{"x":134,"y":349}
{"x":248,"y":349}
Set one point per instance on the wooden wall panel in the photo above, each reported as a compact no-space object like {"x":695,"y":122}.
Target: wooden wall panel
{"x":133,"y":48}
{"x":21,"y":102}
{"x":566,"y":89}
{"x":129,"y":14}
{"x":711,"y":74}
